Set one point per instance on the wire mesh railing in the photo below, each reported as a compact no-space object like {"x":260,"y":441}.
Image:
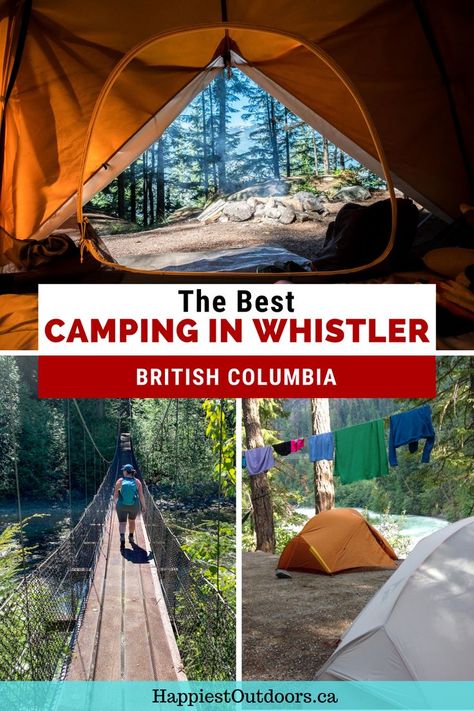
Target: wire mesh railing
{"x":38,"y":620}
{"x":205,"y":625}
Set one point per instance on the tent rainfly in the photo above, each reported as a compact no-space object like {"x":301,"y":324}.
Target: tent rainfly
{"x":87,"y":86}
{"x":419,"y":626}
{"x":337,"y":540}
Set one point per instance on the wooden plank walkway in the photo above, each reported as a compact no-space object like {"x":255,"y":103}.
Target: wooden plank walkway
{"x":126,"y":633}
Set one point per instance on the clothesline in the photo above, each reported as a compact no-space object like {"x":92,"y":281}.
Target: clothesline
{"x":359,"y":451}
{"x":384,"y":417}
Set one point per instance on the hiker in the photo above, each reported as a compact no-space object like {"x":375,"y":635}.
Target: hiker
{"x":128,"y":494}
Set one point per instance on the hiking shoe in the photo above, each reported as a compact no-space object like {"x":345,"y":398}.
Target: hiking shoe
{"x":130,"y":538}
{"x":122,"y":544}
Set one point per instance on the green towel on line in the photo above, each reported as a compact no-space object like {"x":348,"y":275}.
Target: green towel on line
{"x":360,"y":452}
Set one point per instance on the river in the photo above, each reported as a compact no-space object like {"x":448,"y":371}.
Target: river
{"x":44,"y":532}
{"x":49,"y":527}
{"x":412,"y":528}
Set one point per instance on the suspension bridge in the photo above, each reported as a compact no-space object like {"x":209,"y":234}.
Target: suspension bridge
{"x":92,"y":612}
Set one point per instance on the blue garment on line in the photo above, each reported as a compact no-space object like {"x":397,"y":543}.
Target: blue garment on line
{"x":244,"y":462}
{"x":408,"y":428}
{"x":259,"y":460}
{"x":321,"y":446}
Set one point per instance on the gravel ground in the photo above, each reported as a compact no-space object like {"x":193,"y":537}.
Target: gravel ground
{"x":291,"y":627}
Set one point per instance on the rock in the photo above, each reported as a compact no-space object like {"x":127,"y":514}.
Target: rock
{"x":238,"y":210}
{"x":351,"y":193}
{"x":272,"y":211}
{"x":268,"y":188}
{"x":302,"y":217}
{"x":308,"y":201}
{"x":315,"y":216}
{"x":259,"y":210}
{"x":287,"y":216}
{"x":212,"y":212}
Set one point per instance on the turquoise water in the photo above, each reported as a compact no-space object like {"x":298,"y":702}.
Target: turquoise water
{"x":413,"y":528}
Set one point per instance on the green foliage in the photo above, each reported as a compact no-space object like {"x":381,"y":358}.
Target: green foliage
{"x":175,"y":453}
{"x":391,"y":531}
{"x":231,"y":136}
{"x":202,"y":546}
{"x":220,"y":417}
{"x":10,"y":559}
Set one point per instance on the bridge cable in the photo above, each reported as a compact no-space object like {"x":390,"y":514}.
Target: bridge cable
{"x":108,"y":461}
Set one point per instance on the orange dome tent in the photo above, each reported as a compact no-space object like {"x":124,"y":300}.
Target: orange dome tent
{"x":336,"y":540}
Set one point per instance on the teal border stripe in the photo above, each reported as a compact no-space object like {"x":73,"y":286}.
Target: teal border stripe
{"x":174,"y":696}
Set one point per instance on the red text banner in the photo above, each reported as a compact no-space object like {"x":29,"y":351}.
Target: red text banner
{"x":237,"y":376}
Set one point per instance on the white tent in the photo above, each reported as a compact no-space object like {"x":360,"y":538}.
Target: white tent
{"x":420,"y":625}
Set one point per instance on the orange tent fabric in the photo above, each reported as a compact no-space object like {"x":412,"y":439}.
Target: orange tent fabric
{"x":409,"y":60}
{"x":336,"y":540}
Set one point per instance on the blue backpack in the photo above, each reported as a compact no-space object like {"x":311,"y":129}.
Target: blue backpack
{"x":128,"y":492}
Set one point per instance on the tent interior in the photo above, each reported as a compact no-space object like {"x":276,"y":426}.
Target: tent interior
{"x":84,"y":97}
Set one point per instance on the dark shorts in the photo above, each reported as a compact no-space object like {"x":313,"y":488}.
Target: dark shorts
{"x":124,"y":512}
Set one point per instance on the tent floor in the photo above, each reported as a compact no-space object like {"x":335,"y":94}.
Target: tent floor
{"x":291,"y":627}
{"x":126,"y":633}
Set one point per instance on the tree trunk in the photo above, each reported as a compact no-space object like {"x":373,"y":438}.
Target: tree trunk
{"x":323,"y":477}
{"x":222,"y":132}
{"x":213,"y":140}
{"x":145,"y":189}
{"x":325,"y":156}
{"x":121,"y":195}
{"x":259,"y":484}
{"x":315,"y":153}
{"x":342,"y":160}
{"x":205,"y":157}
{"x":133,"y":194}
{"x":150,"y":181}
{"x":160,"y":182}
{"x":287,"y":145}
{"x":273,"y":136}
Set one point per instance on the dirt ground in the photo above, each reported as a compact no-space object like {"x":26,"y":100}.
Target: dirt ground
{"x":303,"y":238}
{"x":290,"y":627}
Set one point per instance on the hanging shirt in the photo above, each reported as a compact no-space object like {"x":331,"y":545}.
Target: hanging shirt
{"x":259,"y":460}
{"x":360,"y":452}
{"x":321,"y":446}
{"x":282,"y":448}
{"x":297,"y":444}
{"x":408,"y":428}
{"x":244,"y":462}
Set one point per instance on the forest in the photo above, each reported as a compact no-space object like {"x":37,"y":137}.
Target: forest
{"x":444,"y":488}
{"x":186,"y":449}
{"x":232,"y":135}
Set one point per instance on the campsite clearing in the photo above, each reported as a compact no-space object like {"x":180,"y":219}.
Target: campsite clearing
{"x":291,"y":627}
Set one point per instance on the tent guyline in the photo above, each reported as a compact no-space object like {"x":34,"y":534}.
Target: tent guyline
{"x":42,"y":616}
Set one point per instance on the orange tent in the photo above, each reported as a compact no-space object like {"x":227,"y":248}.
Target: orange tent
{"x":336,"y":540}
{"x":87,"y":86}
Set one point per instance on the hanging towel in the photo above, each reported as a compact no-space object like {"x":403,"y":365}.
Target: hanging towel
{"x":321,"y":446}
{"x":360,"y":452}
{"x":297,"y":444}
{"x":408,"y":428}
{"x":259,"y":460}
{"x":282,"y":448}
